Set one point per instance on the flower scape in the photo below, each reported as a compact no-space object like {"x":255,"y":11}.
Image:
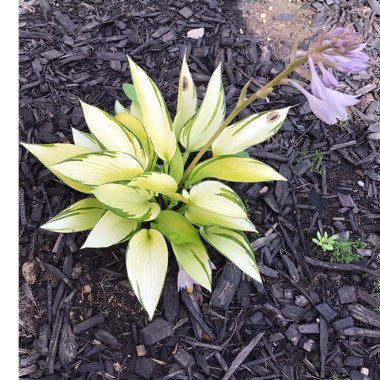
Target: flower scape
{"x":140,"y":189}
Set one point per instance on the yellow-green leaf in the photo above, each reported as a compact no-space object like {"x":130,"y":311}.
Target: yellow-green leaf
{"x":109,"y":230}
{"x":155,"y":115}
{"x":128,"y":202}
{"x":209,"y":117}
{"x":250,"y":131}
{"x":194,"y":260}
{"x":187,"y":98}
{"x":176,"y":166}
{"x":235,"y":246}
{"x":147,"y":263}
{"x":233,"y":169}
{"x":176,"y":228}
{"x":202,"y":217}
{"x":80,"y":216}
{"x":95,"y":169}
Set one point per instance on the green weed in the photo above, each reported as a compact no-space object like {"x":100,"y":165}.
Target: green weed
{"x":344,"y":251}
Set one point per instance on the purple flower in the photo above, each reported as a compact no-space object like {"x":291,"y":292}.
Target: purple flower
{"x":345,"y":53}
{"x":327,"y":76}
{"x":327,"y":104}
{"x":184,"y":281}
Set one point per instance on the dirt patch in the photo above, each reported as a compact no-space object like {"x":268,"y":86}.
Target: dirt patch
{"x":278,"y":21}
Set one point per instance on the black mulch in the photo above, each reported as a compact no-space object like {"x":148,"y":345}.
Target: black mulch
{"x":311,"y":319}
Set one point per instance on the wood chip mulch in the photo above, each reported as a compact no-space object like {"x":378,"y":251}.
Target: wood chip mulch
{"x":310,"y":319}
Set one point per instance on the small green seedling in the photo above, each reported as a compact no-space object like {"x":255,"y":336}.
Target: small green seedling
{"x":376,"y":285}
{"x":325,"y":241}
{"x":335,"y":376}
{"x":377,"y":309}
{"x":316,"y":158}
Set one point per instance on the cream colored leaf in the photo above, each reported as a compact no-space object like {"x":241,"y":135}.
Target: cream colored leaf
{"x":112,"y":134}
{"x":250,"y":131}
{"x":147,"y":263}
{"x":235,"y":246}
{"x":187,"y":98}
{"x":233,"y":169}
{"x":209,"y":117}
{"x":95,"y":169}
{"x":128,"y":202}
{"x":218,"y":198}
{"x":109,"y":230}
{"x":80,"y":216}
{"x":155,"y":115}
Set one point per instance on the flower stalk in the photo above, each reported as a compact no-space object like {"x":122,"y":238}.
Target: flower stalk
{"x":239,"y":107}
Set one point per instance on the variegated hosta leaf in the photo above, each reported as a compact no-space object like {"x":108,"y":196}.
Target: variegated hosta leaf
{"x":118,"y":107}
{"x":209,"y":117}
{"x":176,"y":228}
{"x":86,"y":140}
{"x":157,"y":182}
{"x":195,"y":261}
{"x":235,"y":246}
{"x":81,"y":216}
{"x":176,"y":166}
{"x":147,"y":263}
{"x":202,"y":217}
{"x":155,"y":115}
{"x":128,"y":202}
{"x":112,"y":134}
{"x":95,"y":169}
{"x":111,"y":229}
{"x":218,"y":198}
{"x":50,"y":154}
{"x":250,"y":131}
{"x":233,"y":169}
{"x":187,"y":98}
{"x":134,"y":110}
{"x":135,"y":125}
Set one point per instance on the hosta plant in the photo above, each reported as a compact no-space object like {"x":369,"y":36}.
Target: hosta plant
{"x":140,"y":189}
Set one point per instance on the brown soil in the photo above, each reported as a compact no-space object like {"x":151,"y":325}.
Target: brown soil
{"x":261,"y":19}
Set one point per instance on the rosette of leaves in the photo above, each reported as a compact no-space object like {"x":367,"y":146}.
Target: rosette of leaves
{"x":131,"y":167}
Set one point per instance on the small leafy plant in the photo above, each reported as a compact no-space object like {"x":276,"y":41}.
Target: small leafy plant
{"x":325,"y":241}
{"x":134,"y":167}
{"x":376,"y":285}
{"x":344,"y":251}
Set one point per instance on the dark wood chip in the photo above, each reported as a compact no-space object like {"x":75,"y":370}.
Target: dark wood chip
{"x":156,"y":331}
{"x":88,"y":323}
{"x":364,"y":315}
{"x":145,"y":367}
{"x":226,"y":286}
{"x":326,"y":311}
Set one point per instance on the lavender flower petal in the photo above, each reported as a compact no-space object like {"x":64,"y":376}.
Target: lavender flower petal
{"x":343,"y":99}
{"x":184,"y":281}
{"x":327,"y":76}
{"x":317,"y":86}
{"x":320,"y":108}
